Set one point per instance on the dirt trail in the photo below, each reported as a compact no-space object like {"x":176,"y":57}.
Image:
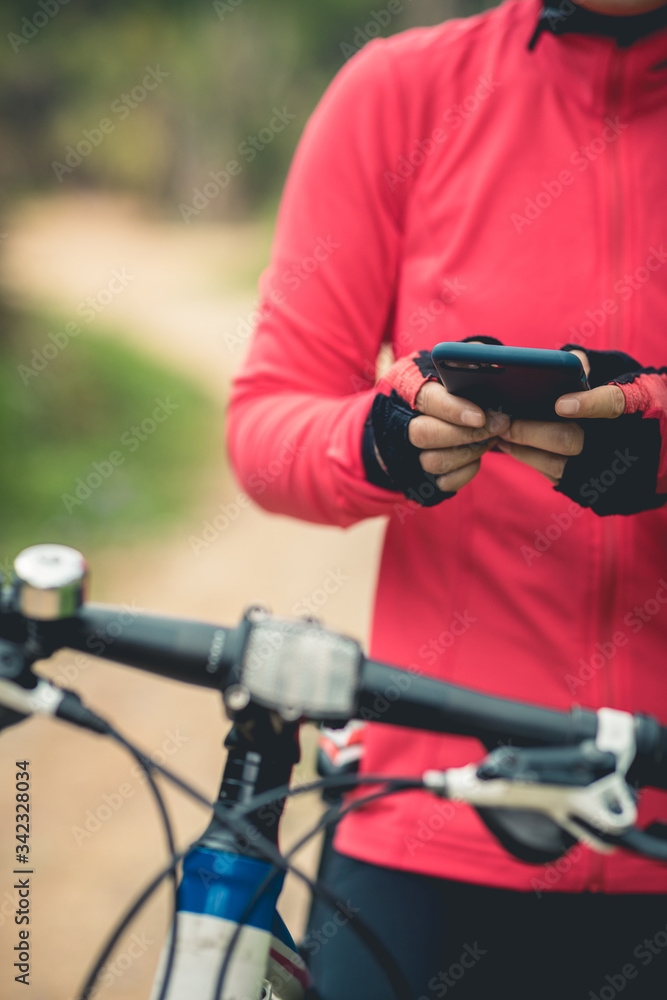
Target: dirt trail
{"x":95,"y":837}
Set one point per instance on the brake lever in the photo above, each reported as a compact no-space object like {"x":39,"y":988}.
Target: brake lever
{"x":17,"y":684}
{"x":581,"y":788}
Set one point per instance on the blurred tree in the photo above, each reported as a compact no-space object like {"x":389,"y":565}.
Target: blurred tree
{"x":226,"y":65}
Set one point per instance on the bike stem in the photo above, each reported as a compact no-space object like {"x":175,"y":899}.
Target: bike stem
{"x":224,"y":874}
{"x":262,"y":750}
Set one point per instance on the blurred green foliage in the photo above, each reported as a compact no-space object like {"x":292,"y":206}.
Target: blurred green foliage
{"x":215,"y":70}
{"x":65,"y":66}
{"x":60,"y":425}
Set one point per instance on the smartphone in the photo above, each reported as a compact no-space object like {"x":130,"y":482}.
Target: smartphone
{"x":522,"y":382}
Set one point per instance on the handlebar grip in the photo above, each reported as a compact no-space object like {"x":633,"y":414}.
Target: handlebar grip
{"x":194,"y":652}
{"x":432,"y":704}
{"x":642,"y":842}
{"x":650,"y":764}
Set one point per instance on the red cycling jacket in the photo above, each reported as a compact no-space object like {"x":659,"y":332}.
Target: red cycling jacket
{"x":450,"y":183}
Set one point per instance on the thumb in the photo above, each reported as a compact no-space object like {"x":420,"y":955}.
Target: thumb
{"x":607,"y":401}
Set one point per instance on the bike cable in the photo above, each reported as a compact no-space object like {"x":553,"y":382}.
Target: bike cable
{"x":147,"y":766}
{"x":266,"y":848}
{"x":330,"y":818}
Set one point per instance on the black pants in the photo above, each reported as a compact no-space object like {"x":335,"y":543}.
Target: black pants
{"x":464,"y":941}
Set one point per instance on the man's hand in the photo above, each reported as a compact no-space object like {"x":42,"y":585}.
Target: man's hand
{"x":420,"y":440}
{"x":610,"y":456}
{"x":453,"y":435}
{"x":546,"y":446}
{"x":606,"y":402}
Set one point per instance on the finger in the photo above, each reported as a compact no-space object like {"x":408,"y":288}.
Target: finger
{"x":434,"y":400}
{"x":446,"y":460}
{"x":550,"y":465}
{"x":431,"y":432}
{"x":583,"y":357}
{"x":559,"y":438}
{"x":454,"y":481}
{"x":607,"y":401}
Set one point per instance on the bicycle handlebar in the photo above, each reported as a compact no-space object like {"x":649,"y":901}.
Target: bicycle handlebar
{"x":305,"y":671}
{"x":564,"y":779}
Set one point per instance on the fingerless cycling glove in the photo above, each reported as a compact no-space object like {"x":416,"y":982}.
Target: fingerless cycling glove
{"x":398,"y":467}
{"x":387,"y":427}
{"x":623,"y":466}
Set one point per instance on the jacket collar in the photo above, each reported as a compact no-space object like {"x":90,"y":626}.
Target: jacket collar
{"x":599,"y":73}
{"x":570,"y":18}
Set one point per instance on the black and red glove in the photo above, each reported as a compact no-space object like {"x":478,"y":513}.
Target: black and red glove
{"x":622,"y":468}
{"x":390,"y":459}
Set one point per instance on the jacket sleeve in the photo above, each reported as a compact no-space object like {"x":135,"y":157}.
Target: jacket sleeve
{"x":646,"y":393}
{"x":305,"y":388}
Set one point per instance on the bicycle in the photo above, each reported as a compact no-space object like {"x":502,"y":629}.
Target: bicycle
{"x":566,"y":777}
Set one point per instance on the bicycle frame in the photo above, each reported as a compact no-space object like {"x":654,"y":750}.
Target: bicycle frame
{"x":216,"y":889}
{"x":222,"y":874}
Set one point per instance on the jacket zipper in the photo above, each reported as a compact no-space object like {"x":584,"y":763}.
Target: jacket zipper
{"x":608,"y":559}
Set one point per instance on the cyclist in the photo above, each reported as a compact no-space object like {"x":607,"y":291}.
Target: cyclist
{"x":499,"y":176}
